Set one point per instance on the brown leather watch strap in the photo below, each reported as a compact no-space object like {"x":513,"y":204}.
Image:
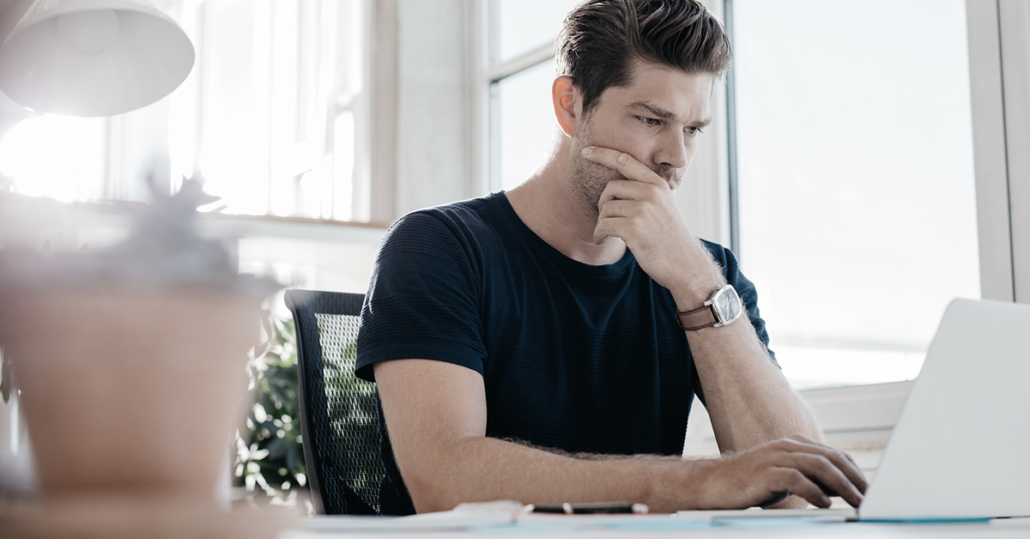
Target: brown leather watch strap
{"x":700,"y":318}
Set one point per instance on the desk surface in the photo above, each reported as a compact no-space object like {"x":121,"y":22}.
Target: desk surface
{"x":142,"y":519}
{"x":664,"y":526}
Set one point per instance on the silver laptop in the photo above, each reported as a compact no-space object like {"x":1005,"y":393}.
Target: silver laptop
{"x":961,"y":447}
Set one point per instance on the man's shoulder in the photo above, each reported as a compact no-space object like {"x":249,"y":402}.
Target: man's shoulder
{"x":443,"y":229}
{"x":464,"y":213}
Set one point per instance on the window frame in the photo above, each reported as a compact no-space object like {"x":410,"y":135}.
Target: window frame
{"x":999,"y":72}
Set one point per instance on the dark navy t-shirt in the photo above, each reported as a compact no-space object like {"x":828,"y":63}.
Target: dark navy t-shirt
{"x":575,"y":357}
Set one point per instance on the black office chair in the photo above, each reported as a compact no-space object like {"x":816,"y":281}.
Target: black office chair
{"x":338,"y":413}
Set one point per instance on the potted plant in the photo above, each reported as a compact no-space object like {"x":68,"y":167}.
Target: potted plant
{"x":130,"y":360}
{"x":270,"y":453}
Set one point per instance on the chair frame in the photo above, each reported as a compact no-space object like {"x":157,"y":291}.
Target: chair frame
{"x":303,"y":304}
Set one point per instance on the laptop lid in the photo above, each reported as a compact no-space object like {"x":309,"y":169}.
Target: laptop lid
{"x":961,"y":447}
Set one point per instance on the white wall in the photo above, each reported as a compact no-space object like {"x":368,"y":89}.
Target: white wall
{"x":431,"y":113}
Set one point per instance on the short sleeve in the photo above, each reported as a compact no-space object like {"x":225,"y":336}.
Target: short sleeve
{"x":423,"y":298}
{"x":748,"y":296}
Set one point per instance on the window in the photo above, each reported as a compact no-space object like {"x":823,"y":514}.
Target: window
{"x":274,"y":117}
{"x":522,"y":34}
{"x":857,"y":203}
{"x":27,"y":157}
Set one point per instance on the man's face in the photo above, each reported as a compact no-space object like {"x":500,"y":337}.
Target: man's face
{"x":656,"y":119}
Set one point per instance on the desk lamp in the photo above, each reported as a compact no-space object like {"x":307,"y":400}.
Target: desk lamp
{"x":90,"y":57}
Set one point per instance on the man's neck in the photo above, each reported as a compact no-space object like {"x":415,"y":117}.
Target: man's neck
{"x":549,"y":204}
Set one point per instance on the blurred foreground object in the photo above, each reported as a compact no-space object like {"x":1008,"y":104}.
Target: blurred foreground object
{"x":137,"y":518}
{"x":131,"y":361}
{"x":90,"y":57}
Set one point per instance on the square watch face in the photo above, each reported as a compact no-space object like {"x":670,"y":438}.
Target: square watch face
{"x":727,"y":305}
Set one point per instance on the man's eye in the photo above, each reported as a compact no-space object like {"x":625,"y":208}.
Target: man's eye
{"x":650,"y":122}
{"x":692,"y":130}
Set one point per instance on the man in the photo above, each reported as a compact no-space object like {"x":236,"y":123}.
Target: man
{"x":545,"y":344}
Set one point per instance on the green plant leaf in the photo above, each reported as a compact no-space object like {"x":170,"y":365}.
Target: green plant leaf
{"x":274,"y":371}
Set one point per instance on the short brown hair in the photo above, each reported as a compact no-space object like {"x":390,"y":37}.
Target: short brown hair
{"x":600,"y":39}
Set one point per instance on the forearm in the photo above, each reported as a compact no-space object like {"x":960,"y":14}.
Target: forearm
{"x":748,"y":399}
{"x":482,"y":469}
{"x":436,"y":414}
{"x":746,"y":395}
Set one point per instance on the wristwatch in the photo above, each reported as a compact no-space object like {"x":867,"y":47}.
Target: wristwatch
{"x":722,"y":309}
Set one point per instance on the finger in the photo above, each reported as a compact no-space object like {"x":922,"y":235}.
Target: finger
{"x":623,"y":162}
{"x":802,"y":438}
{"x":619,"y":208}
{"x":625,"y":190}
{"x":610,"y":227}
{"x":840,"y":459}
{"x":827,"y":475}
{"x":862,"y":483}
{"x":795,"y":482}
{"x":846,"y":464}
{"x":800,"y":442}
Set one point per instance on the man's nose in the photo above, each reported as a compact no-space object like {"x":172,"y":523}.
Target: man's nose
{"x":672,"y":150}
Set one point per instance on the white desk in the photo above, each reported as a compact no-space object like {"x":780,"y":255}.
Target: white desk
{"x":134,"y":520}
{"x":651,"y":526}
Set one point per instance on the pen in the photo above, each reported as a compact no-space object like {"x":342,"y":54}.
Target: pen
{"x":589,"y":508}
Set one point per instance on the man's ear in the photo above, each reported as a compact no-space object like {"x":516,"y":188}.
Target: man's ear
{"x":566,"y":98}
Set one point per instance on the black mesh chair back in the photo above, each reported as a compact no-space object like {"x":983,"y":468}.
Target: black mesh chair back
{"x":338,"y":411}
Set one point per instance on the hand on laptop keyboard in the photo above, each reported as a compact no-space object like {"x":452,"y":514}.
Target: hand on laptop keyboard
{"x":767,"y":474}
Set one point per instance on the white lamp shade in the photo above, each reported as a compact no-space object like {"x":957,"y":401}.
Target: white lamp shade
{"x":93,"y":57}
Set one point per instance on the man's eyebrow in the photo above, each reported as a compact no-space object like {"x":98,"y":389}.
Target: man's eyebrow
{"x":659,"y":112}
{"x":663,"y":114}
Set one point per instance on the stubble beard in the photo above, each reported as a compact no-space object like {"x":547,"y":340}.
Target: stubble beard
{"x":590,"y":179}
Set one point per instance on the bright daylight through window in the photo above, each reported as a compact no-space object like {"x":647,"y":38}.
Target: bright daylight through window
{"x":522,"y":120}
{"x":274,"y":117}
{"x":27,"y":157}
{"x":857,"y":202}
